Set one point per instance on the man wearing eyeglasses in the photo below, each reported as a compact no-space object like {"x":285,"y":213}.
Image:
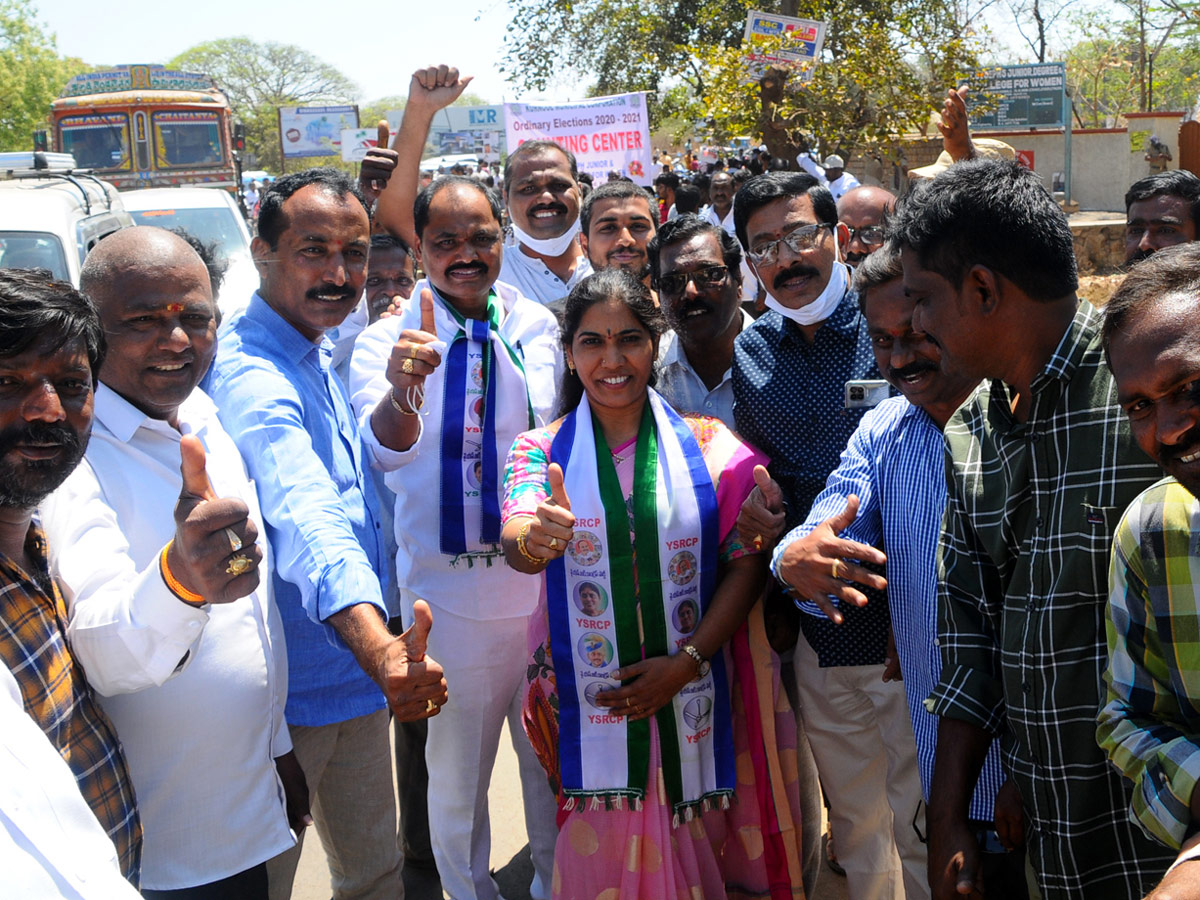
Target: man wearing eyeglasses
{"x":794,"y":383}
{"x":862,"y":210}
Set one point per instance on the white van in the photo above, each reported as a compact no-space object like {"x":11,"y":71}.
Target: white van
{"x":52,"y":214}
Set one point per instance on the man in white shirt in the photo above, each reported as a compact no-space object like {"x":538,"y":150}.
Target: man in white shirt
{"x":51,"y":844}
{"x":442,"y":417}
{"x":150,"y":561}
{"x":840,"y":181}
{"x":721,"y":191}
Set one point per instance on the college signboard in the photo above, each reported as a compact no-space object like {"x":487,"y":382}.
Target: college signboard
{"x":1030,"y":96}
{"x":314,"y":130}
{"x":606,"y":134}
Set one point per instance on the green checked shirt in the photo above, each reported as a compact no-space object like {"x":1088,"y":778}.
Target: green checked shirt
{"x":1150,"y":726}
{"x":1023,"y":584}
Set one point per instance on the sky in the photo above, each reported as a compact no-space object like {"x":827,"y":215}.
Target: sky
{"x":413,"y":33}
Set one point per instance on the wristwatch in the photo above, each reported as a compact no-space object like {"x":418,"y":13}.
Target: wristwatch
{"x":700,"y":660}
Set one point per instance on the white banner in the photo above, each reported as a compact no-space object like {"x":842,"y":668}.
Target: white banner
{"x":606,"y":134}
{"x":357,"y":141}
{"x":314,"y":130}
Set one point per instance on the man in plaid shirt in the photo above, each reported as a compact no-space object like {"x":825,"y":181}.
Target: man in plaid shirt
{"x":1150,"y":724}
{"x":1040,"y":464}
{"x":51,"y":345}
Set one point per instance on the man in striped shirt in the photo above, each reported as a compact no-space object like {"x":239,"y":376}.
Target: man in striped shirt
{"x":890,"y":489}
{"x":1040,"y":465}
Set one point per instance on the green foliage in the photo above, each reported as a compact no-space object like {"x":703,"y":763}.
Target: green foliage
{"x":261,"y":76}
{"x":32,"y":74}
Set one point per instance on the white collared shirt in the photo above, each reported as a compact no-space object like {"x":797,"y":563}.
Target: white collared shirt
{"x":749,"y":279}
{"x":685,"y":390}
{"x":533,"y":278}
{"x":479,"y":590}
{"x":200,"y":745}
{"x":50,"y":842}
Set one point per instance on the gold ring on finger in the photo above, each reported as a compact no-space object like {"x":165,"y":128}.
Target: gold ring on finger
{"x":412,"y":351}
{"x":553,"y":543}
{"x":836,"y":564}
{"x":235,"y":542}
{"x":430,"y":706}
{"x":239,"y":565}
{"x":407,"y":366}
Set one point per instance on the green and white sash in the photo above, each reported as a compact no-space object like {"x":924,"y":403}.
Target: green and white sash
{"x":593,"y":603}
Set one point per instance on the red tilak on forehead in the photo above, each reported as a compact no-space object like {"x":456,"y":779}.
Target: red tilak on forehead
{"x":174,"y":307}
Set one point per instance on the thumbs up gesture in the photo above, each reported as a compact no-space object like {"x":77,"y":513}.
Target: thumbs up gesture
{"x":377,"y":166}
{"x":762,"y":518}
{"x":821,"y":564}
{"x":412,"y":358}
{"x":211,"y":535}
{"x":413,"y":683}
{"x":553,"y":526}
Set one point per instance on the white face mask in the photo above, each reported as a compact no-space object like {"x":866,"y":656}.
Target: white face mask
{"x":551,"y":247}
{"x":821,"y":308}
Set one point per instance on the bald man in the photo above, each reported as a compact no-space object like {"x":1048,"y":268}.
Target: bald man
{"x":157,"y":544}
{"x":862,"y":210}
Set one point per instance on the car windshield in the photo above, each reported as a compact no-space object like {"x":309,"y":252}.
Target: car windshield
{"x":33,"y":250}
{"x":217,"y":224}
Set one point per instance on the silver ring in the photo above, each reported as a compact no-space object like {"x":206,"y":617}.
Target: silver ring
{"x":235,"y":542}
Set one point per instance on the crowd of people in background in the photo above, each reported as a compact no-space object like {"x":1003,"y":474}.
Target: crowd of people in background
{"x":746,"y":493}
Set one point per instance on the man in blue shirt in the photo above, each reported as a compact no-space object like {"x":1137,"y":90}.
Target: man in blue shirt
{"x":290,"y":416}
{"x":890,"y":487}
{"x":790,"y":374}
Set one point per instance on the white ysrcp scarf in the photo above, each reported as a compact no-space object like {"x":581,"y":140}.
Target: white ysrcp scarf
{"x":551,"y":246}
{"x":821,"y":308}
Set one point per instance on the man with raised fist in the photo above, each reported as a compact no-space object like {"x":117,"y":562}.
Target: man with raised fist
{"x":51,"y":344}
{"x":442,"y":389}
{"x":155,"y":540}
{"x":289,"y":415}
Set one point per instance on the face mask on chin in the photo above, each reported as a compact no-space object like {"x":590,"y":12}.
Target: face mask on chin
{"x":551,"y":247}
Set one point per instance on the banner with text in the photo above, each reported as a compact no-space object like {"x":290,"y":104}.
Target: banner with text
{"x":606,"y":134}
{"x":314,"y":130}
{"x":1030,"y":95}
{"x":774,"y":40}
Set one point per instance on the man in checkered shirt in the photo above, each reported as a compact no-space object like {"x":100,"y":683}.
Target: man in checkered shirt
{"x":1040,"y":464}
{"x":1150,"y":723}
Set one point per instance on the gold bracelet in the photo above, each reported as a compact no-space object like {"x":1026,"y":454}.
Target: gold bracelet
{"x":188,"y":597}
{"x":523,"y":550}
{"x":396,"y":406}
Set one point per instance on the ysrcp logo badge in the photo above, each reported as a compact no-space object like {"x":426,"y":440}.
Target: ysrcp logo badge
{"x":477,"y":372}
{"x":682,"y":568}
{"x":697,"y":712}
{"x":585,"y":548}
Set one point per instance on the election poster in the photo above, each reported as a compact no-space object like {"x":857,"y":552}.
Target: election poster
{"x":606,"y":134}
{"x":314,"y":130}
{"x":357,"y":141}
{"x":773,"y":40}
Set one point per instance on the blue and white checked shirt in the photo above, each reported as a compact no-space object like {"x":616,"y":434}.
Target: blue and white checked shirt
{"x":895,"y":465}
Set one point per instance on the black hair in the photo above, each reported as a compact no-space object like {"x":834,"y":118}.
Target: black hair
{"x":34,"y":307}
{"x":1167,"y":275}
{"x":687,"y":199}
{"x":763,"y":189}
{"x":272,"y":222}
{"x":993,"y":213}
{"x":431,"y":190}
{"x":1176,"y":183}
{"x":613,"y":190}
{"x":878,"y":268}
{"x":685,"y":228}
{"x":385,"y":241}
{"x":533,"y":148}
{"x":606,"y":284}
{"x":210,"y":254}
{"x":778,"y":164}
{"x":741,"y":175}
{"x":669,"y":179}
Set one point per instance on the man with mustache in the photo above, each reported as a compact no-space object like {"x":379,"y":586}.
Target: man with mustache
{"x":890,"y":488}
{"x":617,"y":223}
{"x":1161,"y":210}
{"x":722,"y":190}
{"x":696,"y":268}
{"x":862,"y":210}
{"x":291,"y":418}
{"x":51,"y":346}
{"x":791,"y":400}
{"x":1149,"y":726}
{"x":167,"y":609}
{"x":442,"y":390}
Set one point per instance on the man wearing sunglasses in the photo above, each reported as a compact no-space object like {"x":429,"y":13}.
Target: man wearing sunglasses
{"x":862,"y":210}
{"x":794,"y":374}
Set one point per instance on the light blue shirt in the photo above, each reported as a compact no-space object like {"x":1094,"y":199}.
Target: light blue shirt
{"x":290,"y":416}
{"x":895,"y":465}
